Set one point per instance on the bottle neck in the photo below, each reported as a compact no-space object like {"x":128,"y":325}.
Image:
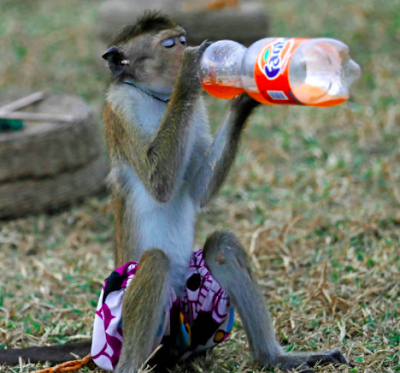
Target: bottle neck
{"x":221,"y":69}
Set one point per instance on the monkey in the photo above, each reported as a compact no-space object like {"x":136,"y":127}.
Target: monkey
{"x":165,"y":166}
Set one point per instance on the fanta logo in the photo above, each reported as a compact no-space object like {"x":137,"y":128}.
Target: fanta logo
{"x":272,"y":57}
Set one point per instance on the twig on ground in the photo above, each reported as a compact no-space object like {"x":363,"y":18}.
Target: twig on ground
{"x":39,"y":116}
{"x":22,"y":102}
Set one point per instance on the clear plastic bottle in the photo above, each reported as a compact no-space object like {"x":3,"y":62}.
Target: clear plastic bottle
{"x":290,"y":71}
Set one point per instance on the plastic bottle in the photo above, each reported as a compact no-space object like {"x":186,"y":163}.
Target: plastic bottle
{"x":290,"y":71}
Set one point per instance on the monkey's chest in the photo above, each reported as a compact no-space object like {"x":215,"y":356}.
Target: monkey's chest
{"x":167,"y":226}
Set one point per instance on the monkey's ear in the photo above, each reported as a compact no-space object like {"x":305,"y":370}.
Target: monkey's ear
{"x":116,"y":61}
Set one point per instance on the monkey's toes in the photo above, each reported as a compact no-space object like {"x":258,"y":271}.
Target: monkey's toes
{"x":329,"y":357}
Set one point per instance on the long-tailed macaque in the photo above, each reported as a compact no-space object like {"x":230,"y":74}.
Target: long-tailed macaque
{"x":165,"y":166}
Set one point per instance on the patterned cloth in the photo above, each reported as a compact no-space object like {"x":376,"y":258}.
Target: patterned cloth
{"x":201,"y":319}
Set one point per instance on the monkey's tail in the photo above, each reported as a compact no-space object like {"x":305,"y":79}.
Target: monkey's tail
{"x":70,"y":366}
{"x":53,"y":354}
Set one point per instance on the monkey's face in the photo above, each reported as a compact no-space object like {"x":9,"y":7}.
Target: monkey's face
{"x":149,"y":59}
{"x":160,"y":68}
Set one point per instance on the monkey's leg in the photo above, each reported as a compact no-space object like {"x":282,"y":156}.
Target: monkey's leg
{"x":144,"y":302}
{"x":230,"y":266}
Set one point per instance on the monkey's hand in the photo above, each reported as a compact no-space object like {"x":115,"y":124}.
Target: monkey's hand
{"x":241,"y":108}
{"x":305,"y":362}
{"x":191,"y":63}
{"x":244,"y":103}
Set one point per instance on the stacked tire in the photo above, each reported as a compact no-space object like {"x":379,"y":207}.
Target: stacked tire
{"x":49,"y":165}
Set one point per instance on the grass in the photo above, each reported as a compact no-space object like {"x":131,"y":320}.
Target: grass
{"x":314,"y":195}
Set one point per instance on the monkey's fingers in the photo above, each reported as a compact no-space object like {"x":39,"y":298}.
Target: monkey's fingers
{"x":329,"y":357}
{"x":303,"y":368}
{"x":199,"y":50}
{"x":204,"y":45}
{"x":244,"y":103}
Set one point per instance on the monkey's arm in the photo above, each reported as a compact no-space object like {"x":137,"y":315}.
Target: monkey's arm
{"x":220,"y":156}
{"x":158,"y":160}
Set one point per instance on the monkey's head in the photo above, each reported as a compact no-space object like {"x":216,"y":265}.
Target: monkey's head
{"x":149,"y":52}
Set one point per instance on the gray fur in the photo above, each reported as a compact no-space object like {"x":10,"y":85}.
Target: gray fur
{"x":161,"y":170}
{"x":166,"y":225}
{"x":229,"y":265}
{"x":166,"y":166}
{"x":149,"y":292}
{"x":216,"y":164}
{"x":169,"y":224}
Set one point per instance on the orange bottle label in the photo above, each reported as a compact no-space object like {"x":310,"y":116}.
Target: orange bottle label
{"x":271,"y":70}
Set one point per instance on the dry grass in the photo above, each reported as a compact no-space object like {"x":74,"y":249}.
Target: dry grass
{"x":314,"y":195}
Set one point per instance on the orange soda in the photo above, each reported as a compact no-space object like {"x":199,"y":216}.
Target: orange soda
{"x":288,"y":71}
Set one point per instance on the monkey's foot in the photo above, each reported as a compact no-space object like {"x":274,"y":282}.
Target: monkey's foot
{"x":305,"y":362}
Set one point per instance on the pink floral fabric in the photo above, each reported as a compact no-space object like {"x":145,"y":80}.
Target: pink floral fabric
{"x":201,"y":319}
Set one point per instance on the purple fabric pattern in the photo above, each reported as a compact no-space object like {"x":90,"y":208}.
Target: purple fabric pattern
{"x":209,"y":297}
{"x":205,"y":316}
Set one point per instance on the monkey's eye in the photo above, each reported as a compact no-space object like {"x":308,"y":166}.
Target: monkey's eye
{"x":182,"y":39}
{"x":168,"y":43}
